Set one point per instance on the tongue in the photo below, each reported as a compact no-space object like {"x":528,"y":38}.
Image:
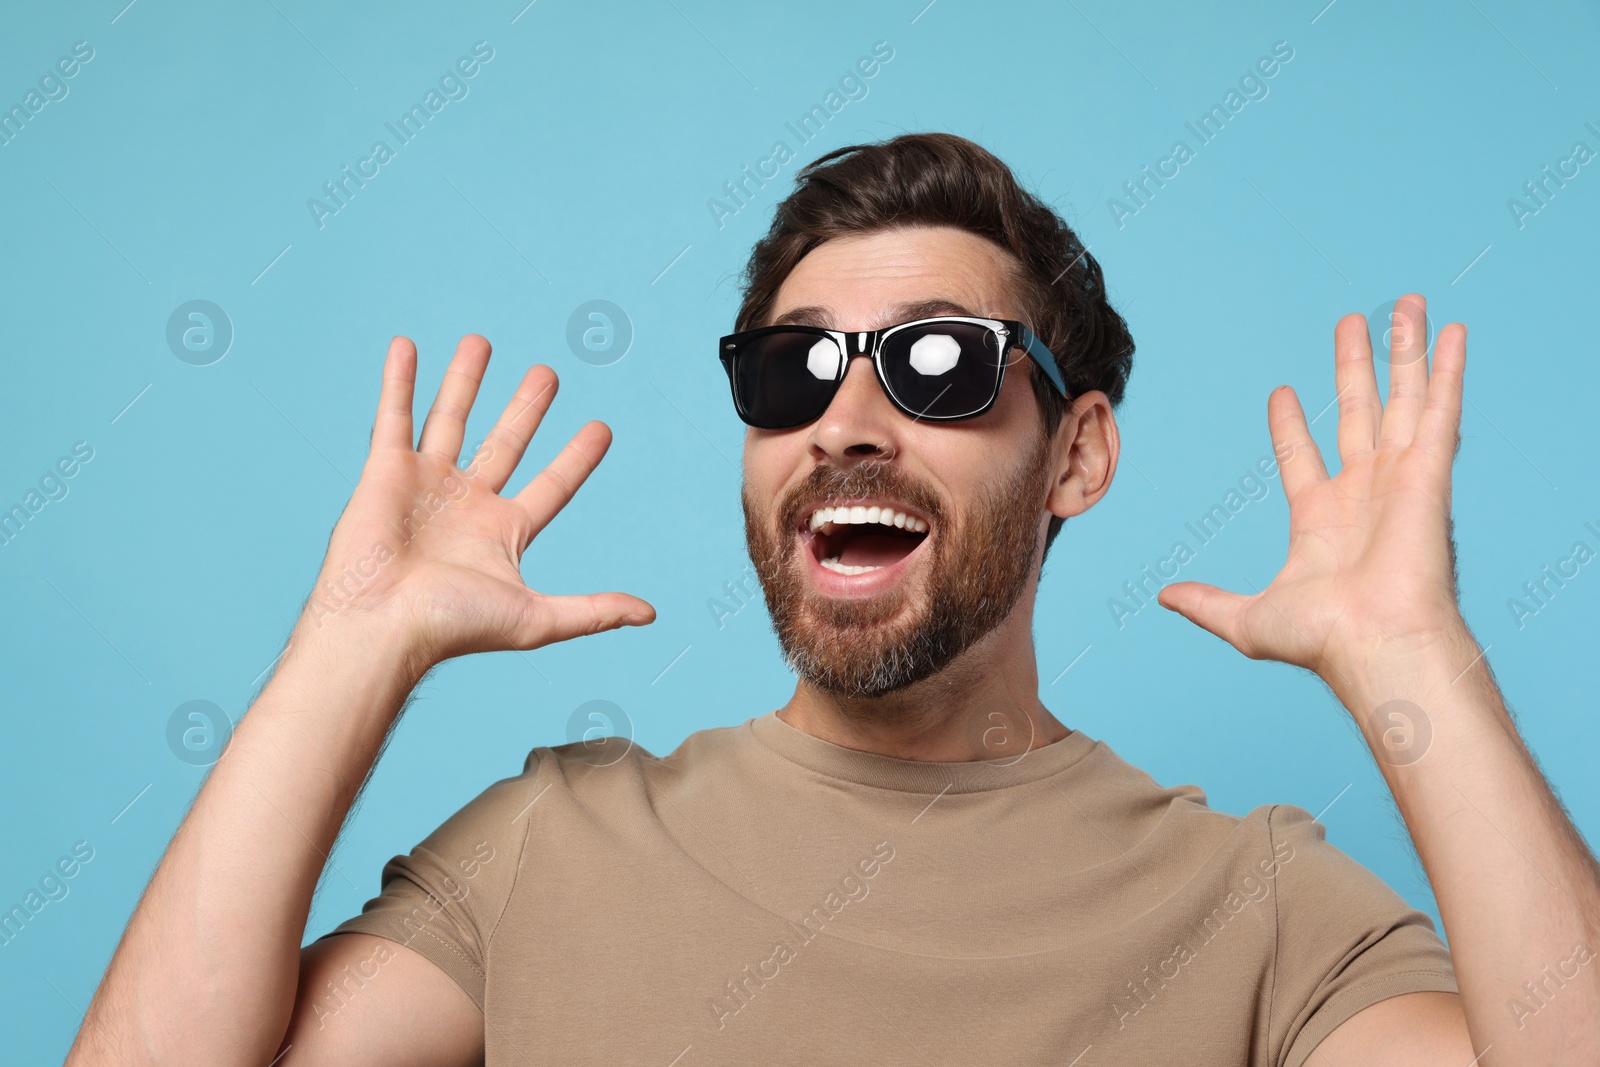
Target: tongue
{"x":875,"y":549}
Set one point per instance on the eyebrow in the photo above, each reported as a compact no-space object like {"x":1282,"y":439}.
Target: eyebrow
{"x":813,"y":315}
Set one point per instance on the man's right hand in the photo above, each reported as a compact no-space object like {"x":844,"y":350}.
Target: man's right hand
{"x":422,"y":566}
{"x":433,"y":550}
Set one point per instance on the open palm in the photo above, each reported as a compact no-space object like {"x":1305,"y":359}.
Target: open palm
{"x":1370,"y":558}
{"x":434,"y":550}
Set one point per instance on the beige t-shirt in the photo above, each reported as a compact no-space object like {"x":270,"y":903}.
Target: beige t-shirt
{"x":763,"y":896}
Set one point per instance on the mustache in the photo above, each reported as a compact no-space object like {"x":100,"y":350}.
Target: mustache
{"x":870,"y":479}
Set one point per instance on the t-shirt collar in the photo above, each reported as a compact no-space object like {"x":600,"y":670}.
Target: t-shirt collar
{"x":916,"y":776}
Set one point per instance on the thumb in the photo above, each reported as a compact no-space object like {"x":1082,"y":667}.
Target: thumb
{"x":1212,"y":609}
{"x":561,"y":618}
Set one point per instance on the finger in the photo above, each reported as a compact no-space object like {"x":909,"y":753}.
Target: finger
{"x":446,"y":424}
{"x":553,"y":487}
{"x":1439,"y":429}
{"x":1214,"y":610}
{"x":1408,"y":370}
{"x":561,"y":618}
{"x":1299,"y":459}
{"x":503,"y":449}
{"x":1359,"y":409}
{"x":392,"y":426}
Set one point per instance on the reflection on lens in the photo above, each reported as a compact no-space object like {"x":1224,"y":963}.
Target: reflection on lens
{"x":823,"y":360}
{"x":934,"y":354}
{"x":786,"y":379}
{"x":945,"y":370}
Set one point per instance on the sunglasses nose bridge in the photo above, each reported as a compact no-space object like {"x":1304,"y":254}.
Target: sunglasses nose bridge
{"x":854,"y":405}
{"x":858,"y":343}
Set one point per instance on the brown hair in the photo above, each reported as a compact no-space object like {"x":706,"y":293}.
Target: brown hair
{"x":942,"y":179}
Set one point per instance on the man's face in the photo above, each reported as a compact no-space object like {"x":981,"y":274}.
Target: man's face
{"x":979,"y":484}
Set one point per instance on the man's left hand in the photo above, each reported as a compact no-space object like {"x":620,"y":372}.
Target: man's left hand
{"x":1370,"y":564}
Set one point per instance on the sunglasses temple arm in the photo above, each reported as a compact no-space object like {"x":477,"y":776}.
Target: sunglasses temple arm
{"x":1042,"y":356}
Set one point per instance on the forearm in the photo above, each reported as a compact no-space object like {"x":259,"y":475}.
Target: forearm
{"x":1518,"y":890}
{"x":207,"y":969}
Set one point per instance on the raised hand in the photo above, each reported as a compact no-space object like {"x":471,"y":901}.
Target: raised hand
{"x":1370,"y":560}
{"x":431,"y":552}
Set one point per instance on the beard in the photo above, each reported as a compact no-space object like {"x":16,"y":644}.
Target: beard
{"x":863,"y":648}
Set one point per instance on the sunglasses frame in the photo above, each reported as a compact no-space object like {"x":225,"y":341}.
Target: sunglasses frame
{"x":1012,"y":334}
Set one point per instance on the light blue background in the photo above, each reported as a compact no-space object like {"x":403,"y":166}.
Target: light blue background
{"x":579,"y":167}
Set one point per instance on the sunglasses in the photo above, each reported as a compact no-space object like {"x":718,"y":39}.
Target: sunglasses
{"x":939,"y":369}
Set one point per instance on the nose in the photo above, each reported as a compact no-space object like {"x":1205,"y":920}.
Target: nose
{"x":860,"y":422}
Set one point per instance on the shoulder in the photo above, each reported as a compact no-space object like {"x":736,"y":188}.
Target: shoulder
{"x":1176,"y":830}
{"x":619,"y":762}
{"x":1174,"y":821}
{"x":1323,"y":874}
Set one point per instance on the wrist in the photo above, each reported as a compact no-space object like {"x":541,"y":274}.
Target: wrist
{"x":1399,"y":689}
{"x":1380,"y":665}
{"x":369,"y":643}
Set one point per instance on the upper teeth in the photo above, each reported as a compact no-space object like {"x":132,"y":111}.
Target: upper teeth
{"x":859,"y":513}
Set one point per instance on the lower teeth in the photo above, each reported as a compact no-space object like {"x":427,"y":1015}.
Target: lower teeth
{"x":833,"y":564}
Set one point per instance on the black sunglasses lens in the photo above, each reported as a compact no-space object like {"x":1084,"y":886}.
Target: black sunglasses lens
{"x":785,"y":379}
{"x":945,"y":370}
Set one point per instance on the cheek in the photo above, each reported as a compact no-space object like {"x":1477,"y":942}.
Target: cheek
{"x":1016,"y":392}
{"x":1017,"y":410}
{"x":764,"y":476}
{"x":774,"y":459}
{"x":999,"y":437}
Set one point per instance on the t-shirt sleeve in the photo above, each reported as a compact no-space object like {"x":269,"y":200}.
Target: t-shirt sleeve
{"x":1346,"y":940}
{"x":445,"y":898}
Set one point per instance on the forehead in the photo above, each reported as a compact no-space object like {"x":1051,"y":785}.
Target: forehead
{"x":867,"y":281}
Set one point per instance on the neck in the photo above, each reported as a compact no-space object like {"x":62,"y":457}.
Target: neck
{"x":983,"y":706}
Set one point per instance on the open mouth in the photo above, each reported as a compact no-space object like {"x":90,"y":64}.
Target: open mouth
{"x":851,"y":539}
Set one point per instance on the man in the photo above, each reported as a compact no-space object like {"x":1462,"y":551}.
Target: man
{"x":912,"y":861}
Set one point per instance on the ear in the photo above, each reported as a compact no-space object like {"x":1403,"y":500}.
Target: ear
{"x":1083,"y":455}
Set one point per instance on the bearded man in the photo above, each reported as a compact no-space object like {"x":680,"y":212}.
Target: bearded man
{"x":912,"y":860}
